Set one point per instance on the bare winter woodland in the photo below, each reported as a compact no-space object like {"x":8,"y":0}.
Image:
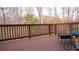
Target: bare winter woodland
{"x":36,"y":15}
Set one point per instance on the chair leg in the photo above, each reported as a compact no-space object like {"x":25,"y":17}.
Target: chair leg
{"x":61,"y":41}
{"x":68,"y":44}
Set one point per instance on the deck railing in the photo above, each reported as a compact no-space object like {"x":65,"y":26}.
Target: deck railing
{"x":16,"y":31}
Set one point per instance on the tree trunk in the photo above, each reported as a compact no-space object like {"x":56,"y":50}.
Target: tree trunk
{"x":55,"y":11}
{"x":2,"y":9}
{"x":40,"y":14}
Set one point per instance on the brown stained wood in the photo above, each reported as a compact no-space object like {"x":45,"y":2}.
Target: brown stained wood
{"x":13,"y":31}
{"x":38,"y":43}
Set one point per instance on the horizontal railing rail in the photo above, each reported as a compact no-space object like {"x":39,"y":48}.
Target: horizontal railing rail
{"x":16,"y":31}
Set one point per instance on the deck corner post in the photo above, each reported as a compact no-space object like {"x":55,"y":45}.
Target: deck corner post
{"x":55,"y":29}
{"x":29,"y":32}
{"x":49,"y":29}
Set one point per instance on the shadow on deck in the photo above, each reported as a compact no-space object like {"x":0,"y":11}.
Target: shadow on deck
{"x":38,"y":43}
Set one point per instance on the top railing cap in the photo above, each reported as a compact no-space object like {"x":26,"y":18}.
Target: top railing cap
{"x":36,"y":24}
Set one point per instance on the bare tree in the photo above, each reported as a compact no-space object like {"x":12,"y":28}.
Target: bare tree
{"x":9,"y":13}
{"x":77,"y":12}
{"x":74,"y":13}
{"x":55,"y":11}
{"x":49,"y":9}
{"x":2,"y":10}
{"x":40,"y":14}
{"x":14,"y":15}
{"x":66,"y":12}
{"x":18,"y":13}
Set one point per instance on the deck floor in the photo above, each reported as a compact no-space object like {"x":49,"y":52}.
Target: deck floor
{"x":38,"y":43}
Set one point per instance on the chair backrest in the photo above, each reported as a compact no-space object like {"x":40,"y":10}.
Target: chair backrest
{"x":74,"y":32}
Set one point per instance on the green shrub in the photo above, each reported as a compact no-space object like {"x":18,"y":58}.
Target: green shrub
{"x":29,"y":19}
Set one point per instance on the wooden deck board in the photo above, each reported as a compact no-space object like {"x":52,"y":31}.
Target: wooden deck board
{"x":38,"y":43}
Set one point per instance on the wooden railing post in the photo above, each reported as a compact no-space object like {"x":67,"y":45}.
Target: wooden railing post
{"x":49,"y":29}
{"x":29,"y":32}
{"x":4,"y":32}
{"x":1,"y":33}
{"x":55,"y":29}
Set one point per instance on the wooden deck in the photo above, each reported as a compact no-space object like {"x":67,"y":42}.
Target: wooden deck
{"x":38,"y":43}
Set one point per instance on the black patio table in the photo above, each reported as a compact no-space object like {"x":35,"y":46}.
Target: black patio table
{"x":67,"y":40}
{"x":64,"y":36}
